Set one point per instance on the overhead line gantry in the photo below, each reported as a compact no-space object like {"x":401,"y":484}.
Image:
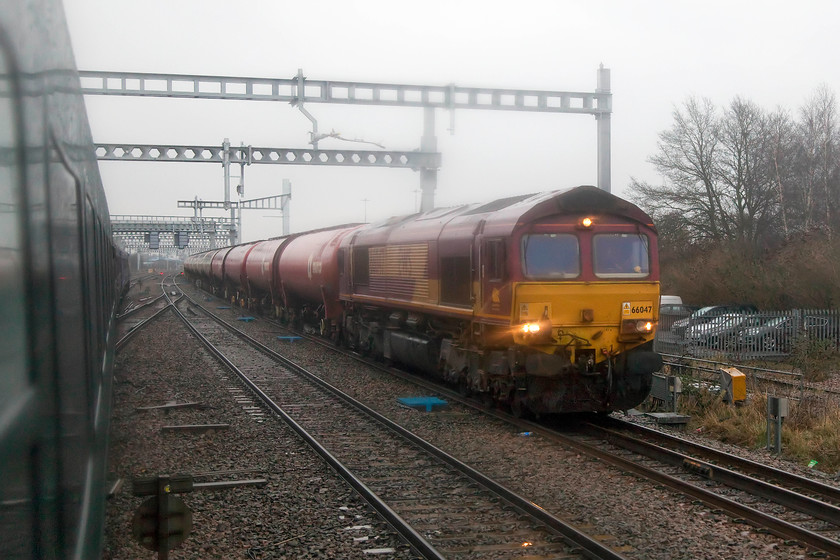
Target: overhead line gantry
{"x":299,"y":90}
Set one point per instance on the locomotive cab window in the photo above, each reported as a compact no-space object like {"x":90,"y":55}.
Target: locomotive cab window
{"x":623,"y":255}
{"x":550,"y":255}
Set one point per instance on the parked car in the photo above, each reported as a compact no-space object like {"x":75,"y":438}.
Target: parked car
{"x":822,"y":327}
{"x":706,"y":314}
{"x":720,"y":331}
{"x":669,"y":313}
{"x":770,"y":334}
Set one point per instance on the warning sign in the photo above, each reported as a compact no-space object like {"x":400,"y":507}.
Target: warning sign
{"x":625,"y":308}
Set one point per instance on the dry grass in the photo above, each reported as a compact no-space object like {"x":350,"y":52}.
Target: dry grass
{"x":810,"y":432}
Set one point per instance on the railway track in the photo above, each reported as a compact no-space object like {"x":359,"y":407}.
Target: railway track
{"x":796,"y":509}
{"x":441,"y":506}
{"x":132,"y":321}
{"x":758,"y":379}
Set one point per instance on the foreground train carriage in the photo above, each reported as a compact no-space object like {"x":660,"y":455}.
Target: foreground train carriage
{"x":543,"y":302}
{"x":60,"y":279}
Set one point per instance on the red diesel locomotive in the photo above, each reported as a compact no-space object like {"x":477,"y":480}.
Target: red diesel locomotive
{"x":544,"y":302}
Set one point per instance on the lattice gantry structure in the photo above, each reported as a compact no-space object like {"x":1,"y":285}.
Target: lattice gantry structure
{"x":170,"y":235}
{"x":254,"y":155}
{"x":300,"y":90}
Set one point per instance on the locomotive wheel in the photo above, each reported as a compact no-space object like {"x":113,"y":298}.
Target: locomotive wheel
{"x":464,"y":387}
{"x":518,"y":407}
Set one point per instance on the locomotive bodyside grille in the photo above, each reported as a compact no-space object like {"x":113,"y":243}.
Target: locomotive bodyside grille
{"x":400,"y":270}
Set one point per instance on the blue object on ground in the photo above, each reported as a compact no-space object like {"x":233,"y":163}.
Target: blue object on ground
{"x":246,"y":319}
{"x":223,"y":307}
{"x":423,"y":402}
{"x":289,"y":338}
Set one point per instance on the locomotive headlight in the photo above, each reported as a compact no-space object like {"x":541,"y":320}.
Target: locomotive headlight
{"x":586,"y":222}
{"x":637,"y":327}
{"x":644,"y":326}
{"x":529,"y":328}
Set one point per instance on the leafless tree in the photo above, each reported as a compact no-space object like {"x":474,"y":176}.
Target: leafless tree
{"x":686,"y":159}
{"x":743,"y":168}
{"x":782,"y":138}
{"x":817,"y":165}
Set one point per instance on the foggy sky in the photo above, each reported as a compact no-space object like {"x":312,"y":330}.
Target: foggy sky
{"x":659,"y":53}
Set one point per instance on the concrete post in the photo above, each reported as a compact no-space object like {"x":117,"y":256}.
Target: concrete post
{"x":428,"y":177}
{"x":604,"y":119}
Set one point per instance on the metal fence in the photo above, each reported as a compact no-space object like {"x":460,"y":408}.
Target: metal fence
{"x":747,"y":335}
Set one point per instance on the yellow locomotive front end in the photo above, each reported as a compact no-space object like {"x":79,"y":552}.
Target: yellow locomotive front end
{"x":584,"y":309}
{"x":586,"y":323}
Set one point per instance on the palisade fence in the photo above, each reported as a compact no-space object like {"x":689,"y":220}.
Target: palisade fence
{"x":700,"y":347}
{"x":739,"y":337}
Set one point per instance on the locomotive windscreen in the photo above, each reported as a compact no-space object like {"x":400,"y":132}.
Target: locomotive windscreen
{"x":621,"y":255}
{"x":551,"y":255}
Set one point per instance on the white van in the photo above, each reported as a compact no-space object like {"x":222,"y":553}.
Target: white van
{"x":670,"y":300}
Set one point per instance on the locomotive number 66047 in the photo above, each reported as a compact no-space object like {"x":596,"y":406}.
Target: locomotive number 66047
{"x":542,"y":302}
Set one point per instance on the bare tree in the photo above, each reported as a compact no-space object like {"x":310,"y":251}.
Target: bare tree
{"x":817,"y":166}
{"x":743,"y":168}
{"x":686,"y":159}
{"x":782,"y":145}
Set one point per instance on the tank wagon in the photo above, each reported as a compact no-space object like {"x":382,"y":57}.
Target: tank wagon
{"x":543,"y":302}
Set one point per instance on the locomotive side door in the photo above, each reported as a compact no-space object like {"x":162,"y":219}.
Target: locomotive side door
{"x":493,"y":278}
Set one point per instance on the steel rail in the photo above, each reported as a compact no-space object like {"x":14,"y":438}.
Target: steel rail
{"x":139,"y":326}
{"x":755,"y":486}
{"x":591,"y":547}
{"x":407,"y":532}
{"x":788,"y":479}
{"x":776,"y":526}
{"x":134,"y":310}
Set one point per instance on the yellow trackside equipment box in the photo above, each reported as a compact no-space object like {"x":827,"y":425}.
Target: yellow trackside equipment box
{"x":733,"y":384}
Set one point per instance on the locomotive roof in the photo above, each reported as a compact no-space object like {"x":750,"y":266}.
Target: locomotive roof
{"x":499,"y":217}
